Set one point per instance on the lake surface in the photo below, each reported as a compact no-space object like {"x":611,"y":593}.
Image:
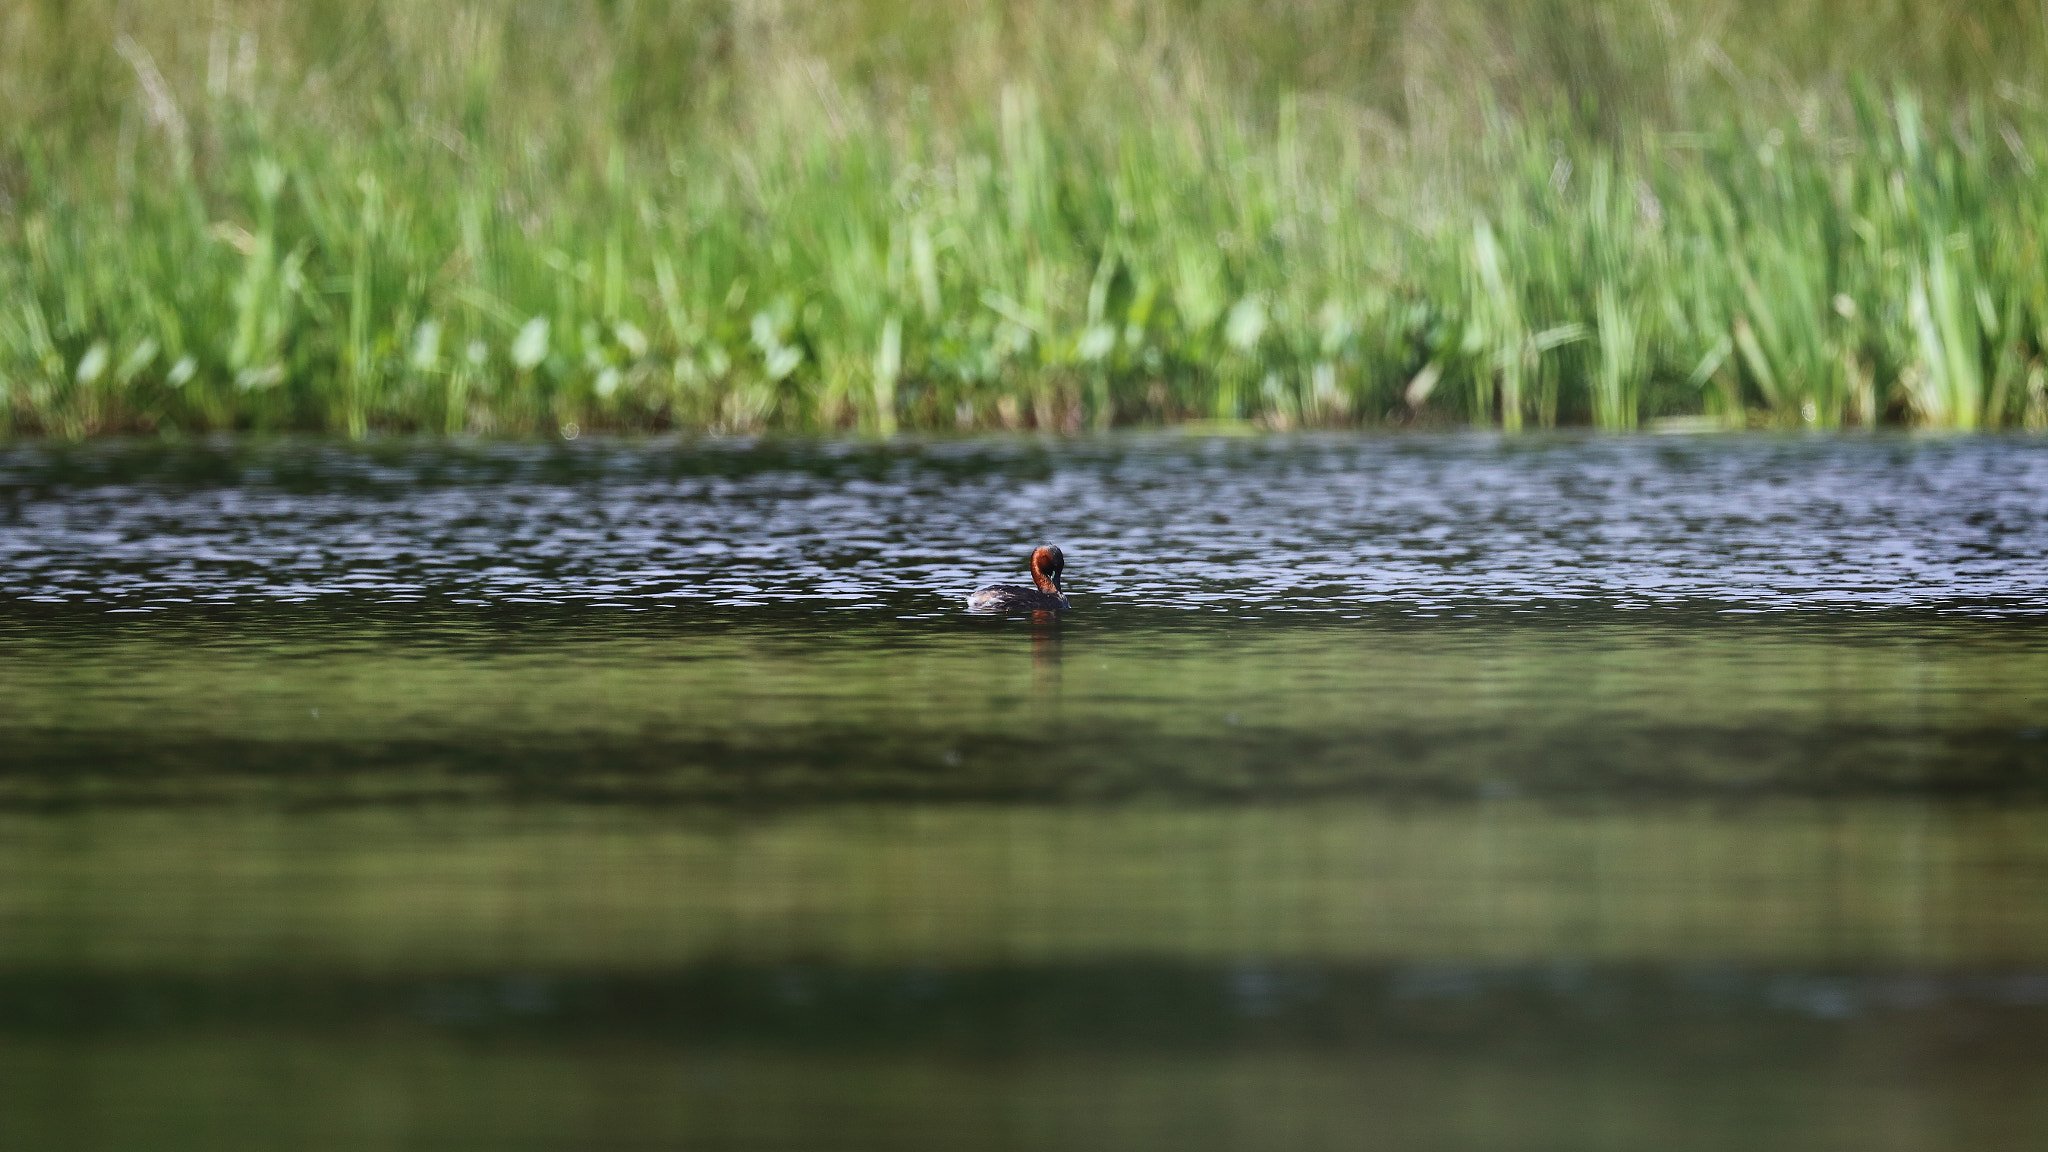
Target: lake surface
{"x":1380,"y":792}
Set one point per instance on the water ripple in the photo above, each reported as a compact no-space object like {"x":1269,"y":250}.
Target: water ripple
{"x":1324,"y":524}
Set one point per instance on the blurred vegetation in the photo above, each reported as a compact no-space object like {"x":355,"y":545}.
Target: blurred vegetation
{"x":744,"y":215}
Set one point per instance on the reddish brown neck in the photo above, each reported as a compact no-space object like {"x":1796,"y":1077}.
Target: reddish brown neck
{"x":1040,"y":577}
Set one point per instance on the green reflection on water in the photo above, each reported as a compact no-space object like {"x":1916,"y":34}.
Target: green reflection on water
{"x":1079,"y":710}
{"x":1864,"y":882}
{"x":411,"y":1092}
{"x":1490,"y":884}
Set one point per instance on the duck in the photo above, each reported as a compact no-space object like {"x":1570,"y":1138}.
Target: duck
{"x":1046,"y":565}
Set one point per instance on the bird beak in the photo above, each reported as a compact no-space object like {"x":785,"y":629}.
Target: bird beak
{"x":1057,"y":583}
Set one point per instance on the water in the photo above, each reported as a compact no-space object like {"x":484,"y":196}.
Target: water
{"x":1409,"y":792}
{"x":1334,"y":525}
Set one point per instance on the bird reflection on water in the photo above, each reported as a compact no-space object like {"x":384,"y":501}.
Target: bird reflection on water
{"x":1045,"y":655}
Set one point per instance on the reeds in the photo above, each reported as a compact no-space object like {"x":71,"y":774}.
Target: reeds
{"x":491,"y":217}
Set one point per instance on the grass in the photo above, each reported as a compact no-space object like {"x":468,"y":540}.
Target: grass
{"x":505,"y":218}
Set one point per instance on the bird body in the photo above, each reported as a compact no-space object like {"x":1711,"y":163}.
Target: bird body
{"x":1043,"y":596}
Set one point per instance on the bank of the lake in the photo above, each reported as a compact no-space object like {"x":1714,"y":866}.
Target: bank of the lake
{"x":734,"y":217}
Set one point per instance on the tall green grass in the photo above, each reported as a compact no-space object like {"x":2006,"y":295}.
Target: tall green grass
{"x":503,"y":217}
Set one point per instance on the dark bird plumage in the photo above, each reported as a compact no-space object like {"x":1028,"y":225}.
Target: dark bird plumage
{"x":1046,"y":565}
